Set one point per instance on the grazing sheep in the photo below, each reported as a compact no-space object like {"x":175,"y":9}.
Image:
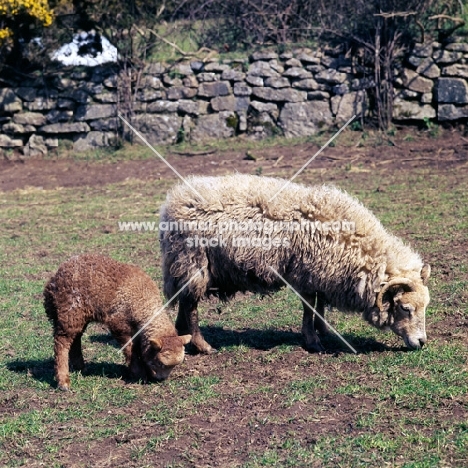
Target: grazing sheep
{"x":93,"y":288}
{"x":340,"y":255}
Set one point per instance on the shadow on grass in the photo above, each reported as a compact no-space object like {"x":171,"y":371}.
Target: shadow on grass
{"x":265,"y":340}
{"x":43,"y":371}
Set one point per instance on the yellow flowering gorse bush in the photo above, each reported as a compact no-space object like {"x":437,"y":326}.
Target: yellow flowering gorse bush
{"x":37,"y":9}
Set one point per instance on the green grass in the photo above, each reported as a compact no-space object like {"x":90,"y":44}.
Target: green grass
{"x":262,"y":401}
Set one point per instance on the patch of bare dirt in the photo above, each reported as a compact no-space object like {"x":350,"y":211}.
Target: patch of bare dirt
{"x":449,"y":150}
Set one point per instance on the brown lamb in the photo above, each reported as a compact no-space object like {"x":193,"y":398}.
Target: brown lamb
{"x":94,"y":288}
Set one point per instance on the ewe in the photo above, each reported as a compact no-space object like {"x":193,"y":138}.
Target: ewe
{"x":324,"y":243}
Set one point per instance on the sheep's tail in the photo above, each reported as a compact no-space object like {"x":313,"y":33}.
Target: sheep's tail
{"x":49,"y":302}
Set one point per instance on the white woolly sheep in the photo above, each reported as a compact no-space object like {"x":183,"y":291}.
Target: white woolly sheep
{"x":340,"y":255}
{"x":94,"y":288}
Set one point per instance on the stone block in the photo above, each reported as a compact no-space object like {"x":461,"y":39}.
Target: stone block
{"x":207,"y":77}
{"x":180,"y":92}
{"x":331,"y":76}
{"x":241,"y":89}
{"x":162,"y":106}
{"x":73,"y":127}
{"x":218,"y":88}
{"x":451,"y":112}
{"x":35,"y":147}
{"x":428,"y":68}
{"x":412,"y":110}
{"x":30,"y":118}
{"x":92,"y":140}
{"x":279,"y":95}
{"x":56,"y":115}
{"x":223,"y":103}
{"x":309,"y":84}
{"x":105,"y":125}
{"x":216,"y":67}
{"x":158,"y":129}
{"x":445,"y":57}
{"x":452,"y":90}
{"x":344,"y":107}
{"x":262,"y":70}
{"x":458,"y":70}
{"x":213,"y":126}
{"x":40,"y":104}
{"x":416,"y":82}
{"x":95,"y":111}
{"x":298,"y":73}
{"x":254,"y":80}
{"x":233,"y":75}
{"x":263,"y":55}
{"x":304,"y":118}
{"x":275,"y":82}
{"x":9,"y":101}
{"x":7,"y":142}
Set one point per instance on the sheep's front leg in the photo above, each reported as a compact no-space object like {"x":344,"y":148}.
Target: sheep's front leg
{"x":312,"y":341}
{"x":319,"y":324}
{"x":123,"y":334}
{"x":187,"y":323}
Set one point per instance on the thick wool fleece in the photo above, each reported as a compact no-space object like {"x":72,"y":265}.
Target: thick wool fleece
{"x":346,"y":266}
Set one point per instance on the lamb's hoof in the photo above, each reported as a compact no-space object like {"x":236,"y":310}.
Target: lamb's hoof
{"x":64,"y":388}
{"x":210,"y":351}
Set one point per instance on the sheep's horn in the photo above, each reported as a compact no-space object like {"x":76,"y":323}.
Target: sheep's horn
{"x":388,"y":285}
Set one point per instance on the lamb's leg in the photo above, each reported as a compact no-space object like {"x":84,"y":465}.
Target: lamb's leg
{"x":62,"y":345}
{"x":312,"y":341}
{"x":130,"y":350}
{"x":187,"y":323}
{"x":76,"y":354}
{"x":319,"y":324}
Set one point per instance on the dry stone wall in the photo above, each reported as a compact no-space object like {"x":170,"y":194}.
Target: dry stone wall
{"x":295,"y":93}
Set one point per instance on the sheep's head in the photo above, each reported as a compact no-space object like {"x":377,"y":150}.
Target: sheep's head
{"x":163,"y":354}
{"x":401,"y":306}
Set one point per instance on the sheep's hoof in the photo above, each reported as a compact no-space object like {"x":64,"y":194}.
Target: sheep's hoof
{"x":64,"y":388}
{"x":315,"y":347}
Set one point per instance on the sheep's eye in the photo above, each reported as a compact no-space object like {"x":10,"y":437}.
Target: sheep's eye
{"x":406,"y":308}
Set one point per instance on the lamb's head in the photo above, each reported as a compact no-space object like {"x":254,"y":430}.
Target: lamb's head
{"x":401,"y":306}
{"x":163,"y":354}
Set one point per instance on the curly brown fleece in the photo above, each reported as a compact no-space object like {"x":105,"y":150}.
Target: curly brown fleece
{"x":94,"y":288}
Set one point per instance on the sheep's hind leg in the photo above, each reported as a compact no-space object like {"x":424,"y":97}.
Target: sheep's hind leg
{"x":319,"y":324}
{"x":312,"y":341}
{"x":76,"y":354}
{"x":62,"y":345}
{"x":187,"y":323}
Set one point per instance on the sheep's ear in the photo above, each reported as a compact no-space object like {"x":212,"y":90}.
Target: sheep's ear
{"x":185,"y":339}
{"x":425,"y":273}
{"x":156,"y":343}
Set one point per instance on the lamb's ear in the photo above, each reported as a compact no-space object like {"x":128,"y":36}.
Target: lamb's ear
{"x":185,"y":339}
{"x":156,"y":343}
{"x":379,"y":280}
{"x":425,"y":273}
